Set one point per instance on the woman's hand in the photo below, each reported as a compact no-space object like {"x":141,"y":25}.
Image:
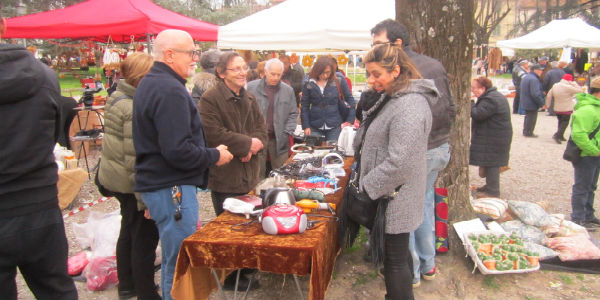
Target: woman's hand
{"x":306,"y":131}
{"x":346,"y":124}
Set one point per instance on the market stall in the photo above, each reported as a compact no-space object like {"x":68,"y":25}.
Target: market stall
{"x":574,"y":33}
{"x":220,"y":245}
{"x":275,"y":29}
{"x":121,"y":20}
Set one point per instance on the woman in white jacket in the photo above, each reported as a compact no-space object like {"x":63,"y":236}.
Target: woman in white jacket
{"x":563,"y":93}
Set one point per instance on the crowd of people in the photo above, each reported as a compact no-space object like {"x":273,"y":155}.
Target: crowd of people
{"x":162,"y":142}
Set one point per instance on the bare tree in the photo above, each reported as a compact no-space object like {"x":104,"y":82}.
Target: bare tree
{"x":526,"y":22}
{"x":488,"y":15}
{"x":443,"y":29}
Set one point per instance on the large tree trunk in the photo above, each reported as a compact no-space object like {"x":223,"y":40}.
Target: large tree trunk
{"x":444,"y":30}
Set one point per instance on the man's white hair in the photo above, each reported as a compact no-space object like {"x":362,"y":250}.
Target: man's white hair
{"x":168,"y":39}
{"x":271,"y":61}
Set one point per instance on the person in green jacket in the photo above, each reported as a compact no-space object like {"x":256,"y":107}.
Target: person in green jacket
{"x":138,"y":237}
{"x":586,"y":119}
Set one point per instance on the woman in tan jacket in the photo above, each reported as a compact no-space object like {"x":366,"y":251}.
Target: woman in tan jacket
{"x":563,"y":93}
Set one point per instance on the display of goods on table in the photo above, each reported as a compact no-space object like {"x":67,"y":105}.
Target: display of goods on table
{"x":498,"y":253}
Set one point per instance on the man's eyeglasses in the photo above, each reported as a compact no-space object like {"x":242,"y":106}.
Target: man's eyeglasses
{"x":379,"y":43}
{"x":192,"y":53}
{"x":238,"y":70}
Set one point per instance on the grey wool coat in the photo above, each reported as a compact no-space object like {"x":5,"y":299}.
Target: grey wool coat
{"x":394,"y":154}
{"x":285,"y":112}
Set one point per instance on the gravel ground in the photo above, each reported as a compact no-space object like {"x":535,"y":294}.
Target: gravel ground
{"x":537,"y":173}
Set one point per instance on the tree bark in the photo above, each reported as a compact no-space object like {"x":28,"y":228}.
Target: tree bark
{"x":443,"y":29}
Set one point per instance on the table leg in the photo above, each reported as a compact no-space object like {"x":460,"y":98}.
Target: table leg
{"x":249,"y":285}
{"x":237,"y":280}
{"x":219,"y":284}
{"x":298,"y":286}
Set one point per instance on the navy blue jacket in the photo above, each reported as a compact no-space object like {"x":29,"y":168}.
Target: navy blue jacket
{"x":323,"y":108}
{"x":167,"y":134}
{"x":532,"y":96}
{"x":553,"y":76}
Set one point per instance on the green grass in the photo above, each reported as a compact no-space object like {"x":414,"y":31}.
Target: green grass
{"x":505,"y":76}
{"x":363,"y":278}
{"x":580,"y":276}
{"x":360,"y":240}
{"x":490,"y":282}
{"x":565,"y":278}
{"x":68,"y":81}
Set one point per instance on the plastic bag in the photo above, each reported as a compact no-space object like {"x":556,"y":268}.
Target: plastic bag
{"x":530,"y":213}
{"x":544,"y":252}
{"x":576,"y":247}
{"x":76,"y":263}
{"x":493,"y":207}
{"x":527,"y":232}
{"x":568,"y":228}
{"x":100,"y":233}
{"x":101,"y":273}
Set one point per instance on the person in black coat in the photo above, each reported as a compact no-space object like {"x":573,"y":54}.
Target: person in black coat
{"x":491,"y":133}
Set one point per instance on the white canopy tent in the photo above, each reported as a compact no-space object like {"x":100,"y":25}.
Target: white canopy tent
{"x":308,"y":25}
{"x":557,"y":34}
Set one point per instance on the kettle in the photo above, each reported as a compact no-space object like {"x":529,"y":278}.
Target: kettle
{"x":346,"y":139}
{"x":278,"y":196}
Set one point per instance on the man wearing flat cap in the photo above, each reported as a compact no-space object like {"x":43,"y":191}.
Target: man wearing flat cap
{"x":532,"y":98}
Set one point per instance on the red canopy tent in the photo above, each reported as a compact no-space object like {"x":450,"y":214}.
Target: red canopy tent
{"x":100,"y":19}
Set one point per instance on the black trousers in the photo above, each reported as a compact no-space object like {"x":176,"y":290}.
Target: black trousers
{"x":563,"y":123}
{"x":398,"y":267}
{"x":516,"y":102}
{"x":218,"y":198}
{"x":35,"y":243}
{"x":492,"y":181}
{"x":529,"y":122}
{"x":136,"y":250}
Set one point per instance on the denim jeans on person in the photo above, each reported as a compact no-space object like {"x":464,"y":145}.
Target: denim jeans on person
{"x":586,"y":182}
{"x":330,"y":134}
{"x":172,"y":233}
{"x":422,"y":240}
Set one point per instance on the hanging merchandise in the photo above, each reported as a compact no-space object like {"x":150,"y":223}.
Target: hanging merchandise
{"x":342,"y":60}
{"x":294,"y":58}
{"x":307,"y":61}
{"x":111,"y":58}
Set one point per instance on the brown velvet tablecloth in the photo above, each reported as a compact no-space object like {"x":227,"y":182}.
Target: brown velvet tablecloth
{"x":217,"y":246}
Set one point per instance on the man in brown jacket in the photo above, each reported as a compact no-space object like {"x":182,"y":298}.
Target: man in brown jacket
{"x":231,"y":116}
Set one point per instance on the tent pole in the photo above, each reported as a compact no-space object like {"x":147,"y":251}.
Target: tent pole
{"x":149,"y":45}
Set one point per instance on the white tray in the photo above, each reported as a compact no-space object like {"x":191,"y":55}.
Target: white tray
{"x":479,"y":264}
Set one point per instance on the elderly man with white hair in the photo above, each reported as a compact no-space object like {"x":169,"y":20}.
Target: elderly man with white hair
{"x":277,"y":103}
{"x":171,"y":154}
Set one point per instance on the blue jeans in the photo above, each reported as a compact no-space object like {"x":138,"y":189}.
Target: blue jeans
{"x":172,"y":233}
{"x":422,"y":240}
{"x":586,"y":182}
{"x":330,"y":134}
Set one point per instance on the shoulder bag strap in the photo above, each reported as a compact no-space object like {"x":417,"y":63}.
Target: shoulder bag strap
{"x":339,"y":88}
{"x":594,"y":132}
{"x":118,"y":99}
{"x":366,"y":124}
